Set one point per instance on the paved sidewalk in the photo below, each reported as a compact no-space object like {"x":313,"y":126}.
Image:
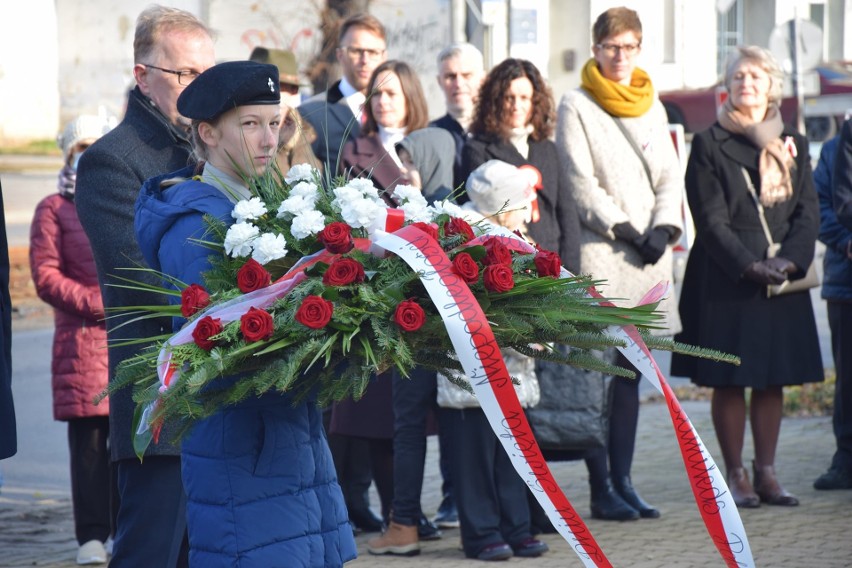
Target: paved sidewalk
{"x":36,"y":530}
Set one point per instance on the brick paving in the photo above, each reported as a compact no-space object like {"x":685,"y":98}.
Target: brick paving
{"x":37,"y":530}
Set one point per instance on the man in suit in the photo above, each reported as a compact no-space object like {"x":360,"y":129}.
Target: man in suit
{"x":460,"y":74}
{"x":336,"y":114}
{"x":8,"y":433}
{"x":171,"y":47}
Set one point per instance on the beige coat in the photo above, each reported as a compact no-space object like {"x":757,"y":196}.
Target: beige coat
{"x":610,"y":186}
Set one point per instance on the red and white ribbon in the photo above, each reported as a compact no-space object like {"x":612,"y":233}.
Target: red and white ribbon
{"x":717,"y":507}
{"x":482,"y":361}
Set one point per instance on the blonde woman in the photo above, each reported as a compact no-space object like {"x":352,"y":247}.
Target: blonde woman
{"x":723,"y":302}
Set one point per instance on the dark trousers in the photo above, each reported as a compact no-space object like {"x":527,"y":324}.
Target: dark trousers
{"x":412,"y":400}
{"x":354,"y":471}
{"x":94,"y":489}
{"x":152,"y":516}
{"x":840,"y":323}
{"x":490,"y":496}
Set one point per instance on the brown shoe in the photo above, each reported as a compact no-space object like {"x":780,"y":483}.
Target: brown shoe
{"x":741,"y":489}
{"x":400,"y":540}
{"x":767,"y":487}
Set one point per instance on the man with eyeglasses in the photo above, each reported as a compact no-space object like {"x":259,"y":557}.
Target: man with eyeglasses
{"x":171,"y":47}
{"x":336,"y":114}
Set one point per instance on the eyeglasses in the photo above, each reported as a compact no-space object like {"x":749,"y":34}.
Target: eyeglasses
{"x":359,"y":52}
{"x":184,"y":77}
{"x":612,"y":49}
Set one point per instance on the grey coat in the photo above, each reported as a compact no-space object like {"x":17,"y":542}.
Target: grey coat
{"x":610,"y":186}
{"x":109,"y":177}
{"x":334,"y":124}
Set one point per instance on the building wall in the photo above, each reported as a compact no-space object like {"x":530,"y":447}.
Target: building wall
{"x":29,"y":93}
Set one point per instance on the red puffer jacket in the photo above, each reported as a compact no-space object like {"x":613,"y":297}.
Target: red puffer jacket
{"x":63,"y":270}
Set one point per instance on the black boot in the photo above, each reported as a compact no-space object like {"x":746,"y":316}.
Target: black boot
{"x":624,"y":488}
{"x":607,"y":505}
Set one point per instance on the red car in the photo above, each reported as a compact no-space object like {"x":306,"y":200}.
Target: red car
{"x":695,"y":109}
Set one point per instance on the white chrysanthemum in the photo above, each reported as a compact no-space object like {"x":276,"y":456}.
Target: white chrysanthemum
{"x":404,"y":193}
{"x":268,"y":246}
{"x":360,"y":212}
{"x":346,"y":193}
{"x":307,"y":223}
{"x":446,"y":206}
{"x":416,"y":211}
{"x":239,"y":238}
{"x":301,"y":172}
{"x":364,"y":186}
{"x":295,"y":205}
{"x":305,"y":189}
{"x":248,"y":209}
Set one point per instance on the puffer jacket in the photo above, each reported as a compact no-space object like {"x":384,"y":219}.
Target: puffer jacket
{"x":64,"y":274}
{"x":260,"y":482}
{"x":837,"y":267}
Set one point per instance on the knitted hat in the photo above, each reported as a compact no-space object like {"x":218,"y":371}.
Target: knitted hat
{"x":496,"y":185}
{"x":84,"y":128}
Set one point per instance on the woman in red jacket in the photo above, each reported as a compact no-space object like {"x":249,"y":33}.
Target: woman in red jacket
{"x":64,"y":274}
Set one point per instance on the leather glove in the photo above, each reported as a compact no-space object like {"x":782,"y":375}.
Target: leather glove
{"x":653,"y":244}
{"x":781,"y":264}
{"x":626,"y":232}
{"x":762,"y":273}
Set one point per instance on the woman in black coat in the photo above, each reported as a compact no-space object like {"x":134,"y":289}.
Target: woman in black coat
{"x":723,"y":303}
{"x":513,"y":122}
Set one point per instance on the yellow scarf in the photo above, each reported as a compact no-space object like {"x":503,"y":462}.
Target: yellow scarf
{"x":617,"y":99}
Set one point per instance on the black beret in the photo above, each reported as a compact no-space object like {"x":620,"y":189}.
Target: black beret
{"x":229,"y":85}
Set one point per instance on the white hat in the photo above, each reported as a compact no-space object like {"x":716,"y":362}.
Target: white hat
{"x":497,"y":185}
{"x":86,"y":127}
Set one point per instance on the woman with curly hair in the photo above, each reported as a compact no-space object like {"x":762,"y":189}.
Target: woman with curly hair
{"x":513,"y":122}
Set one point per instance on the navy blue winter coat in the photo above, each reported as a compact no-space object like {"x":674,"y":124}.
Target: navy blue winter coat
{"x":259,"y":478}
{"x":837,"y":268}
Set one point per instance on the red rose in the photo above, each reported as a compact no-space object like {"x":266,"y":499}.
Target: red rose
{"x":256,"y":325}
{"x":409,"y":315}
{"x":548,"y":263}
{"x":427,"y":228}
{"x":337,"y":238}
{"x":457,"y":226}
{"x":206,"y":328}
{"x":315,"y":312}
{"x":496,"y":253}
{"x":252,"y":276}
{"x":498,"y":278}
{"x":466,"y":267}
{"x":193,"y":298}
{"x":344,"y":271}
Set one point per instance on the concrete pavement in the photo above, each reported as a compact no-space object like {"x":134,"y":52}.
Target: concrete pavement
{"x":37,"y":530}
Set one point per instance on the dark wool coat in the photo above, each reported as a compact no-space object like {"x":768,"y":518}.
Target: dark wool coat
{"x":775,"y":337}
{"x":558,"y":229}
{"x":8,"y":432}
{"x":334,"y":123}
{"x":65,"y":277}
{"x":260,"y":482}
{"x":366,"y":157}
{"x":109,"y":176}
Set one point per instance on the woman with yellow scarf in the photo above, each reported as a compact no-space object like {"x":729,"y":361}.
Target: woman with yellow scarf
{"x":623,"y":171}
